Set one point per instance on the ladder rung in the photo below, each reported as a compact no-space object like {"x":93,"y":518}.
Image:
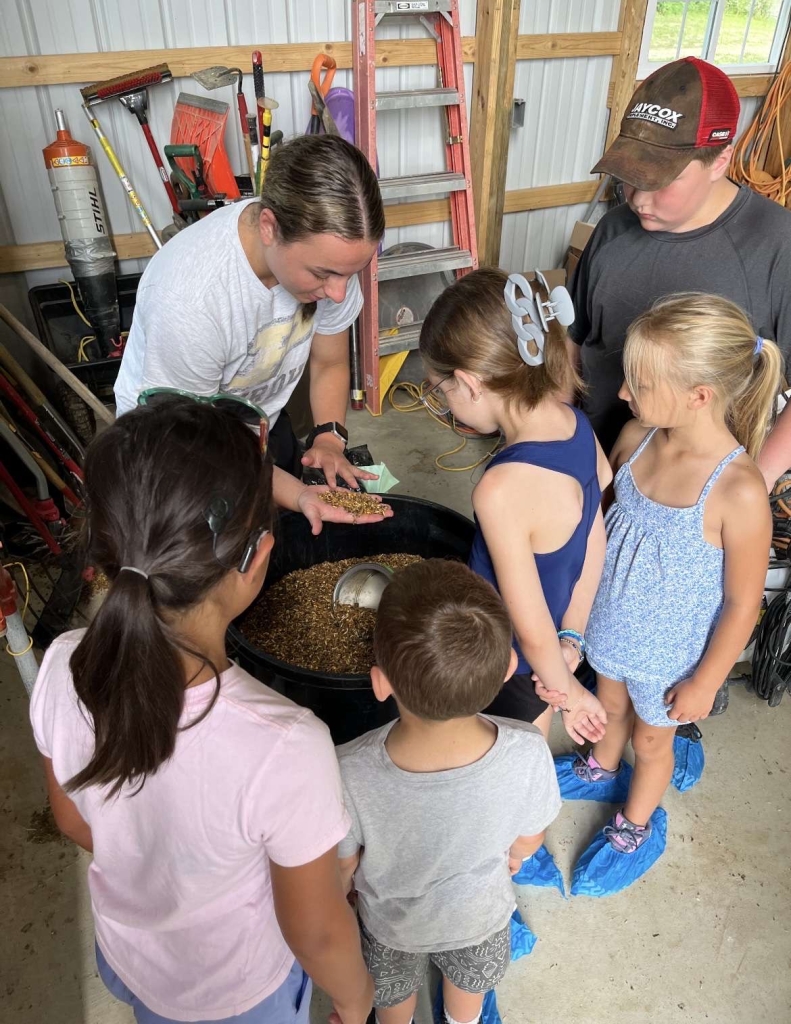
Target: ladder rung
{"x":406,"y":99}
{"x":421,"y":185}
{"x":406,"y":340}
{"x":430,"y":262}
{"x":416,"y":7}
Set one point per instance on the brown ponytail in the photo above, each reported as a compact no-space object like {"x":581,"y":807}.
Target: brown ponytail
{"x":149,"y":480}
{"x":469,"y":328}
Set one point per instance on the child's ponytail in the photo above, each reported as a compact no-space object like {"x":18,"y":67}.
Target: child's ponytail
{"x":469,"y":328}
{"x":128,"y":675}
{"x":752,"y":414}
{"x":693,"y":340}
{"x":150,"y":479}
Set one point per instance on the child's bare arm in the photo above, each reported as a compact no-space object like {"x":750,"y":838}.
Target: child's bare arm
{"x":348,"y":866}
{"x":522,"y":848}
{"x":321,"y":930}
{"x":64,"y":811}
{"x":746,"y":538}
{"x":523,"y":595}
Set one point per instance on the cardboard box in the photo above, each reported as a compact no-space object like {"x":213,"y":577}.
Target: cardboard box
{"x":580,"y":236}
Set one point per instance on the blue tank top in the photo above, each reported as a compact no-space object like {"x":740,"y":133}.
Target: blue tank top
{"x":558,"y":570}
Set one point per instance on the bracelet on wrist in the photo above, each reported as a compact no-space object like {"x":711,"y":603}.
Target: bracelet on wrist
{"x":573,"y":644}
{"x":571,"y":636}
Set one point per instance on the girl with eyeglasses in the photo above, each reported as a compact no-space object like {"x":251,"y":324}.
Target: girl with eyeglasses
{"x":494,"y":350}
{"x":211,"y":804}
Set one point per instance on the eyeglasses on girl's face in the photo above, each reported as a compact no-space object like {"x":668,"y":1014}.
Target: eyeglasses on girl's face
{"x":435,"y":399}
{"x":247,"y":412}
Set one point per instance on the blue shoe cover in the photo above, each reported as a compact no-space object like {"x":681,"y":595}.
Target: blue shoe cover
{"x":540,"y":869}
{"x":614,"y":791}
{"x":522,"y":939}
{"x":489,"y":1012}
{"x":603,"y":871}
{"x":690,"y":760}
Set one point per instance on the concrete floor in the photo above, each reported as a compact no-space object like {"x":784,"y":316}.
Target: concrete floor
{"x":705,"y":936}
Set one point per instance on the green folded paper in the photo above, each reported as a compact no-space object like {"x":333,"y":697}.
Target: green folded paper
{"x":385,"y":483}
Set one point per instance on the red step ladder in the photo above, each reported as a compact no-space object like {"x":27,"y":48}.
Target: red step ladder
{"x":441,"y":19}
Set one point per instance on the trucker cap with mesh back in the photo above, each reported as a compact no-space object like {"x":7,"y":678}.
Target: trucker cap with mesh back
{"x":681,"y":108}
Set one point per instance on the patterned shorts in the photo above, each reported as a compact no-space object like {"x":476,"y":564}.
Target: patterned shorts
{"x":398,"y":974}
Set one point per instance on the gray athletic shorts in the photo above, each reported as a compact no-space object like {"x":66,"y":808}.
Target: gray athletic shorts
{"x":398,"y":974}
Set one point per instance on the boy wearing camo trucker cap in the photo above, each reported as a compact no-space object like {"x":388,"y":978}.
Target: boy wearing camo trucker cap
{"x":685,"y":226}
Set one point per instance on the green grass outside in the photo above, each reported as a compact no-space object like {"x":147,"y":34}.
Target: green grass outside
{"x":667,"y":24}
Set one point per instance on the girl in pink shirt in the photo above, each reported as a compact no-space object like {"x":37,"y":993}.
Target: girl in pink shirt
{"x":212,"y":805}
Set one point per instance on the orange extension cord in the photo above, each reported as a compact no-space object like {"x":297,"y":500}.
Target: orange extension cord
{"x":749,"y":153}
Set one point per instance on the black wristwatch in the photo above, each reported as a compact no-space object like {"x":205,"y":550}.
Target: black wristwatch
{"x":337,"y":429}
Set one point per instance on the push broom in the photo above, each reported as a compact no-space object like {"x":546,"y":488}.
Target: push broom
{"x":132,"y":91}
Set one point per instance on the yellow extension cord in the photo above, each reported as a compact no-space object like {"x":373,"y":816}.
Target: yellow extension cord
{"x":415,"y":393}
{"x":82,"y":357}
{"x":751,"y":150}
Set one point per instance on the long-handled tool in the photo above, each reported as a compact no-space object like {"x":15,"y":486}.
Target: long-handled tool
{"x":218,"y":76}
{"x":264,"y":107}
{"x":134,"y":199}
{"x":267,"y":104}
{"x":132,"y":91}
{"x":322,"y":62}
{"x":38,"y":399}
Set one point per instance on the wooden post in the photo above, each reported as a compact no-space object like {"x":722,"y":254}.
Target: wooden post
{"x":631,"y":21}
{"x":496,"y":34}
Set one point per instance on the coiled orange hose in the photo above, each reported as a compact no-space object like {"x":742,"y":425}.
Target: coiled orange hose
{"x":750,"y":152}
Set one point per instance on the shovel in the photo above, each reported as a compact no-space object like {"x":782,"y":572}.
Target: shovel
{"x":218,"y":76}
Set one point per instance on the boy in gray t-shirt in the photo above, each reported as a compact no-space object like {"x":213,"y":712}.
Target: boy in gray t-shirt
{"x":445,"y":803}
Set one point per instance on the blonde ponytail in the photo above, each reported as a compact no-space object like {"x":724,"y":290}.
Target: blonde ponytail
{"x":692,"y":339}
{"x":752,"y":414}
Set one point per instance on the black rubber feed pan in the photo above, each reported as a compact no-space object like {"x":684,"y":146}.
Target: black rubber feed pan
{"x":346,"y":702}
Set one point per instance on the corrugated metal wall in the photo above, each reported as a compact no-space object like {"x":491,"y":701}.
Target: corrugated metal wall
{"x":565,"y":126}
{"x":566,"y":114}
{"x":409,"y":141}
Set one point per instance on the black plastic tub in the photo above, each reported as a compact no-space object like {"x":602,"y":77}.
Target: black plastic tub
{"x":346,"y":703}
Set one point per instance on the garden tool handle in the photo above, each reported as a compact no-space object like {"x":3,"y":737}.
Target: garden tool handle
{"x":323,"y":61}
{"x":190,"y":151}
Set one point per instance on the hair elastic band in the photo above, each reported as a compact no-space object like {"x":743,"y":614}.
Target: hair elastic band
{"x":131,"y":568}
{"x":759,"y":344}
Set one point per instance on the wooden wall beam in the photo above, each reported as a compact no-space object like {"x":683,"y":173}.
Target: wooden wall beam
{"x":547,"y":197}
{"x":490,"y":120}
{"x":624,"y":68}
{"x":79,"y":68}
{"x":46,"y":255}
{"x":568,"y":44}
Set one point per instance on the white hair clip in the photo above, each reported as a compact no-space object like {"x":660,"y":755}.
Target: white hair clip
{"x":558,"y":307}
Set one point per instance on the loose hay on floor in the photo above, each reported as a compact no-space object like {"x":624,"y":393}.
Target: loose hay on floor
{"x":294,"y":620}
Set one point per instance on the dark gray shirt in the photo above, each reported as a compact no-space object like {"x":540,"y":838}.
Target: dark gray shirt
{"x":433,"y":871}
{"x":744,"y":255}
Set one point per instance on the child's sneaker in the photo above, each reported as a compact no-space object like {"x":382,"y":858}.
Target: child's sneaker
{"x":589,"y":770}
{"x":624,"y":836}
{"x":581,"y":778}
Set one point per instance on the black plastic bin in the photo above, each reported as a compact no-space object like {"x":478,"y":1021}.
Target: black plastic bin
{"x":61,"y":329}
{"x":347,"y":703}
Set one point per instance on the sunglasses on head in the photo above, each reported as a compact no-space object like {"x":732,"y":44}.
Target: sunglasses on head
{"x":248,"y":413}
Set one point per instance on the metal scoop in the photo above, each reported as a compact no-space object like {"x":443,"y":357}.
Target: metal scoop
{"x":362,"y":586}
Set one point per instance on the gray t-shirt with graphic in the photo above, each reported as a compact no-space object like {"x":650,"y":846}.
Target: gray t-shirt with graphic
{"x":205,"y":323}
{"x":433,"y":871}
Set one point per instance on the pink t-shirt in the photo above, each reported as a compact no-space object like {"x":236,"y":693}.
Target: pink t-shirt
{"x":180,"y":882}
